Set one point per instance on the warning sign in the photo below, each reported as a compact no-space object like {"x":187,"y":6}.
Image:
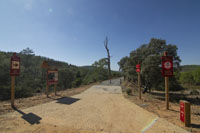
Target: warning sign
{"x":52,"y":77}
{"x":15,"y":65}
{"x":167,"y":66}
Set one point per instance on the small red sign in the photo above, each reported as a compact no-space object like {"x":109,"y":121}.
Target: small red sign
{"x":15,"y":65}
{"x":167,"y":66}
{"x":182,"y":111}
{"x":138,"y":66}
{"x":137,"y":70}
{"x":52,"y":77}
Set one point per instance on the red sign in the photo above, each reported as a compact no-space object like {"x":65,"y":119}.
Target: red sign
{"x":138,"y":66}
{"x":52,"y":77}
{"x":137,"y":70}
{"x":15,"y":65}
{"x":167,"y":66}
{"x":182,"y":111}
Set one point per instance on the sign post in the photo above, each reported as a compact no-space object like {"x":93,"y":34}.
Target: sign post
{"x":52,"y":78}
{"x":167,"y":70}
{"x":55,"y":86}
{"x":138,"y":71}
{"x":185,"y":113}
{"x":12,"y":90}
{"x":14,"y":71}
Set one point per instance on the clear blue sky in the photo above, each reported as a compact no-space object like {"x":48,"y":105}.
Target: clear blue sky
{"x":74,"y":30}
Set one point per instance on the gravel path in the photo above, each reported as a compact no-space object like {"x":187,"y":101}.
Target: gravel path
{"x":101,"y":108}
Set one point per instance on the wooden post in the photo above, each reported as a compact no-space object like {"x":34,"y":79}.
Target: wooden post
{"x":166,"y":88}
{"x":47,"y":90}
{"x":139,"y":85}
{"x":55,"y":85}
{"x":185,"y":112}
{"x":12,"y":90}
{"x":47,"y":86}
{"x":167,"y":92}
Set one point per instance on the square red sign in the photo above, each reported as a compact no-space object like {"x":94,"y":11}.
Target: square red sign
{"x":182,"y":111}
{"x":15,"y":65}
{"x":167,"y":66}
{"x":138,"y":66}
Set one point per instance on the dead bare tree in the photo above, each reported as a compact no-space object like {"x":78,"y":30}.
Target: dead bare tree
{"x":106,"y":47}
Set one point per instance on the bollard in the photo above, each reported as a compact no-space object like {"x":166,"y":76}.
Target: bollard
{"x":185,"y":112}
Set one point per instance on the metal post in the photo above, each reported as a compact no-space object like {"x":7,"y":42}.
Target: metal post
{"x":12,"y":90}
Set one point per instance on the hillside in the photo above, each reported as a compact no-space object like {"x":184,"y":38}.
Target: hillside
{"x":32,"y":77}
{"x":188,"y":68}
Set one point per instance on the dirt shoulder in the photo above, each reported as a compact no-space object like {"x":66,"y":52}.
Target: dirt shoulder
{"x":41,"y":98}
{"x":157,"y":105}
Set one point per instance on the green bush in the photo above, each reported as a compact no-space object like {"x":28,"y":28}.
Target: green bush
{"x":128,"y":91}
{"x":77,"y":82}
{"x":187,"y":78}
{"x":196,"y":75}
{"x":23,"y":91}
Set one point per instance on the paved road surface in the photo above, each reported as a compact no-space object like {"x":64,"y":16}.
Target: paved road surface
{"x":114,"y":82}
{"x":100,"y":109}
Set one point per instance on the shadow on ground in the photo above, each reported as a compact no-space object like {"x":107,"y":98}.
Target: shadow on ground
{"x":195,"y":125}
{"x":30,"y":117}
{"x":67,"y":100}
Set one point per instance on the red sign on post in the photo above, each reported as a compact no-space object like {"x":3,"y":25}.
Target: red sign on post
{"x":52,"y":77}
{"x":138,"y":68}
{"x":15,"y":65}
{"x":167,"y":66}
{"x":185,"y":113}
{"x":182,"y":111}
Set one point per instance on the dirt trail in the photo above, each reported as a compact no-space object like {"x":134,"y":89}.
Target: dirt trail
{"x":101,"y":108}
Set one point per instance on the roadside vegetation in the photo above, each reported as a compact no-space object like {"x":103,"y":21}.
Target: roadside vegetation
{"x":32,"y":77}
{"x":149,"y":56}
{"x":184,"y":85}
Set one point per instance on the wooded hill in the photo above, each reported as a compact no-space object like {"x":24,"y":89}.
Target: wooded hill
{"x":32,"y":77}
{"x":187,"y":68}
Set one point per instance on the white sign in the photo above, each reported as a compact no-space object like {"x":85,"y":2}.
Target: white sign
{"x":56,"y":76}
{"x":15,"y":64}
{"x":167,"y":65}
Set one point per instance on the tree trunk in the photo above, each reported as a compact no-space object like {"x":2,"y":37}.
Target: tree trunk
{"x":106,"y":46}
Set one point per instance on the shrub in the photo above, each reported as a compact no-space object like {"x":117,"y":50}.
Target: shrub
{"x":196,"y":75}
{"x":187,"y":77}
{"x":128,"y":91}
{"x":194,"y":92}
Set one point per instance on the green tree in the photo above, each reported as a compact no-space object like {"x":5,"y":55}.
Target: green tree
{"x":102,"y":63}
{"x":196,"y":75}
{"x":149,"y":56}
{"x":187,"y":78}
